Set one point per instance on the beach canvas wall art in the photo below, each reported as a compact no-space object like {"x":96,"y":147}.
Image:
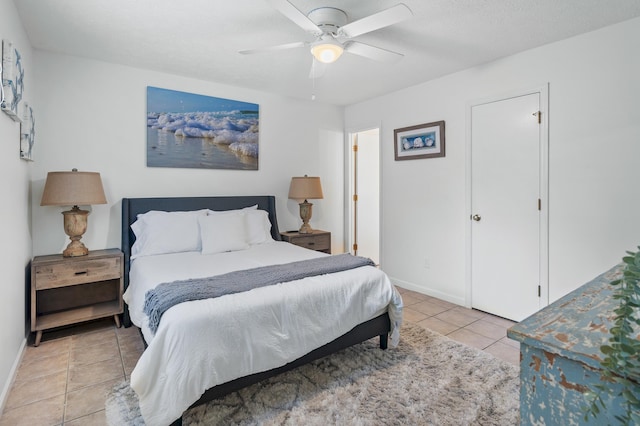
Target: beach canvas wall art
{"x":187,"y":130}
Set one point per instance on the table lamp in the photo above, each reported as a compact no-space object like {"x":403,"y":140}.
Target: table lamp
{"x":305,"y":188}
{"x":72,"y":189}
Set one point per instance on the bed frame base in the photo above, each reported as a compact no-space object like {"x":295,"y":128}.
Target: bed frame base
{"x":131,"y":207}
{"x":379,"y":326}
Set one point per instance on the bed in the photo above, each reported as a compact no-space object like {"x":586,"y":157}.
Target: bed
{"x":169,"y":378}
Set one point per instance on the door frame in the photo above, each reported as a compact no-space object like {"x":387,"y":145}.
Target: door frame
{"x":348,"y":173}
{"x":543,"y":91}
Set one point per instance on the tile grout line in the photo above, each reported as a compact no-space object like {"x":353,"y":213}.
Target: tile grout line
{"x":124,"y":370}
{"x":66,"y":385}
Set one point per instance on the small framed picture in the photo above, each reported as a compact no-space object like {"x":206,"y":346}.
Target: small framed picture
{"x":12,"y":81}
{"x":27,"y":133}
{"x":421,"y":141}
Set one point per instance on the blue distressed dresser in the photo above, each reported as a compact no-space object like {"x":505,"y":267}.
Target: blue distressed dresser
{"x":560,"y":355}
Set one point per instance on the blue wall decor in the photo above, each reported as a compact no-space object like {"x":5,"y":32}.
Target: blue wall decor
{"x":27,"y":133}
{"x":12,"y":80}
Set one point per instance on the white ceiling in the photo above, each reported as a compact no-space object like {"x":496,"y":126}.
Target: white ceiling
{"x":201,"y":38}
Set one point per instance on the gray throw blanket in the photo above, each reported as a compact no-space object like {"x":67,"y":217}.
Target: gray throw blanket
{"x":166,"y":295}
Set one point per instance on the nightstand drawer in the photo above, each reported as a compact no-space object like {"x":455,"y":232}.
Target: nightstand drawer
{"x":62,"y":274}
{"x":317,"y":242}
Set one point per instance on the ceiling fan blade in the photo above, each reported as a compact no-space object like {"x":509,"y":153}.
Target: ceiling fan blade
{"x":317,"y":69}
{"x":372,"y":52}
{"x":298,"y":18}
{"x":384,"y":18}
{"x":274,"y":48}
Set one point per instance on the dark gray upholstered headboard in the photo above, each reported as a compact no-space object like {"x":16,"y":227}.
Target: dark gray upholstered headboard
{"x":132,"y":207}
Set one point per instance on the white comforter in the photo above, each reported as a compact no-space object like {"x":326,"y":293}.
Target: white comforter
{"x":204,"y":343}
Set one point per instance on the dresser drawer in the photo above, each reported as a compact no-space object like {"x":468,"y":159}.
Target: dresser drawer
{"x":62,"y":274}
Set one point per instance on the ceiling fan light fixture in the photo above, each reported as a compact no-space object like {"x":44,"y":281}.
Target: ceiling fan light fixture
{"x":327,"y":51}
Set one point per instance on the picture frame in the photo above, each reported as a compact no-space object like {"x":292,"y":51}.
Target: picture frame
{"x":189,"y":130}
{"x":12,"y":81}
{"x":419,"y":141}
{"x":27,"y":133}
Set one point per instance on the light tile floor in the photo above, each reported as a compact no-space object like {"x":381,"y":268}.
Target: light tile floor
{"x":64,"y":381}
{"x":469,"y":326}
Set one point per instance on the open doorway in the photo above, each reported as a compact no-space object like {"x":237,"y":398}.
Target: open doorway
{"x":364,"y":194}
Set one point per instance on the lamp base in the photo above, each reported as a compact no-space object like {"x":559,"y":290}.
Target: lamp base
{"x":305,"y":229}
{"x":75,"y":225}
{"x":75,"y":248}
{"x":306,"y":209}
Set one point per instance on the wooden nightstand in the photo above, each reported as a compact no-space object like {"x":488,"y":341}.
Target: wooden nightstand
{"x":317,"y":240}
{"x":69,"y":290}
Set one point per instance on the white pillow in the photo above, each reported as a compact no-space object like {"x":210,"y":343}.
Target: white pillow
{"x":222,"y":232}
{"x":258,"y":226}
{"x":159,"y":232}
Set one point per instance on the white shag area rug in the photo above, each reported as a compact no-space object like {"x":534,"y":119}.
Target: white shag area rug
{"x":428,"y":379}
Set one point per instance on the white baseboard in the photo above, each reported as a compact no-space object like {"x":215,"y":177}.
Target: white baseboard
{"x":12,"y":376}
{"x":428,"y":291}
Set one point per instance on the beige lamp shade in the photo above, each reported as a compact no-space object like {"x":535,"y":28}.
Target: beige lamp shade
{"x":305,"y":188}
{"x":72,"y":189}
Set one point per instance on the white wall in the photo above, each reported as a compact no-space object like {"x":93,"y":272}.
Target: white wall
{"x":15,"y":251}
{"x":594,"y":160}
{"x":93,"y":117}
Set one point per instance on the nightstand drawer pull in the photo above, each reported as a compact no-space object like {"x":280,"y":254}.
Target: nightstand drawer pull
{"x":81,"y":273}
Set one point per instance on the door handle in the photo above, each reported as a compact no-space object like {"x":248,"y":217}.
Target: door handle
{"x":476,"y":217}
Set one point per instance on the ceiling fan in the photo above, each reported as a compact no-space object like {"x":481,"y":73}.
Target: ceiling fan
{"x":333,"y":34}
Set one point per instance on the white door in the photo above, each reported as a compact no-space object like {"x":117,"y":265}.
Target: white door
{"x":365,"y":194}
{"x":505,"y":206}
